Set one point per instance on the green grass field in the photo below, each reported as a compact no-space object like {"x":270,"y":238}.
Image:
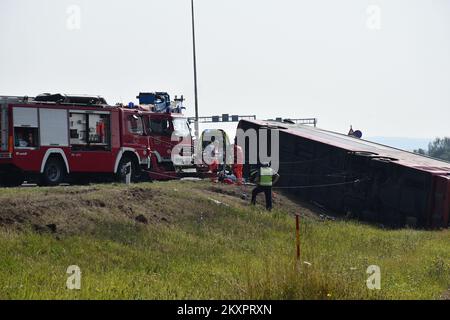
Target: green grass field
{"x":192,"y":247}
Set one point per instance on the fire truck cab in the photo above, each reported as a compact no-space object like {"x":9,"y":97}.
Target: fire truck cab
{"x":52,"y":137}
{"x":166,"y":131}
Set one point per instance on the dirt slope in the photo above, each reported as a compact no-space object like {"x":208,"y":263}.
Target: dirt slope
{"x":77,"y":209}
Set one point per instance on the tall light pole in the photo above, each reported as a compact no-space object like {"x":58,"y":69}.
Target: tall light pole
{"x":195,"y":73}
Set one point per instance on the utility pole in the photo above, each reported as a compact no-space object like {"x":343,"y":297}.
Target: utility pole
{"x":195,"y":74}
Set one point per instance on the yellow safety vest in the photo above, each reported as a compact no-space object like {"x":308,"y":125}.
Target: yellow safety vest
{"x":265,"y":177}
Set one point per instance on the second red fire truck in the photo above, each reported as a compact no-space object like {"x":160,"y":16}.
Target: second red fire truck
{"x":52,"y":138}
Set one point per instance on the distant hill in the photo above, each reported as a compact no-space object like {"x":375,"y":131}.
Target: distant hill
{"x":409,"y":144}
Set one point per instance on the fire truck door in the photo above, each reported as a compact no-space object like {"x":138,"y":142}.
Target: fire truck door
{"x":136,"y":137}
{"x":160,"y":130}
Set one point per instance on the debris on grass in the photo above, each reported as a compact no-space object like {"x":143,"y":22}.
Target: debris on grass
{"x":218,"y":202}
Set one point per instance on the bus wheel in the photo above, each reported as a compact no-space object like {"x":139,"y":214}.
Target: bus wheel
{"x":54,"y":172}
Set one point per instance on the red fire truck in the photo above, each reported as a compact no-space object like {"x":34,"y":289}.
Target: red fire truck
{"x":51,"y":138}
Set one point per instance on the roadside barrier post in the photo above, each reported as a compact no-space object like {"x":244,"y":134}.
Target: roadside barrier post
{"x":297,"y":238}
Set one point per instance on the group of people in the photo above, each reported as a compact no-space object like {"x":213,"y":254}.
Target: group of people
{"x":264,"y":177}
{"x":213,"y":157}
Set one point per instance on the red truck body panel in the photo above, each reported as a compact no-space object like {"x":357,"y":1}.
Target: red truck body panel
{"x":90,"y":139}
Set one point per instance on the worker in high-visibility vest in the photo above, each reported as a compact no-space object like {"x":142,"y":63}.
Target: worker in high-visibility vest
{"x":265,"y":178}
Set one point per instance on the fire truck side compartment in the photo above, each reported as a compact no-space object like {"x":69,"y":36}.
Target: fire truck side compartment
{"x":53,"y":127}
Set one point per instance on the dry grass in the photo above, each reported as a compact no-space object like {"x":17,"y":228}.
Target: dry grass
{"x":185,"y":245}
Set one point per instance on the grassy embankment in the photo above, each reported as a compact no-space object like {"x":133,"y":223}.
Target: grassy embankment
{"x":189,"y":246}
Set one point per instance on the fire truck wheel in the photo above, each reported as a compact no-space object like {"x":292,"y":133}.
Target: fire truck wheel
{"x":54,"y":172}
{"x":121,"y":170}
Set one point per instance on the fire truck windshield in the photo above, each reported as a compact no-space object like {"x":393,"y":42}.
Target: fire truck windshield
{"x":181,"y":127}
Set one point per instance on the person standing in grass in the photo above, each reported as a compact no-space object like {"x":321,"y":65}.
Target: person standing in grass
{"x":265,"y":178}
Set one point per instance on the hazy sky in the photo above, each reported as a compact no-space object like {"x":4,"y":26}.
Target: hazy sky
{"x":382,"y":66}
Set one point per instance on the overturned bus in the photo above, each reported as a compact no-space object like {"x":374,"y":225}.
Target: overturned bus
{"x":358,"y":178}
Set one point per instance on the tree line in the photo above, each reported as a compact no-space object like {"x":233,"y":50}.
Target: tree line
{"x":438,"y":148}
